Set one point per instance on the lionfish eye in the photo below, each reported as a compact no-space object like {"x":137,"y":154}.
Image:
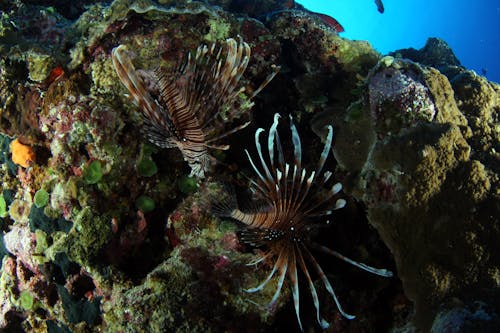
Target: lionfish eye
{"x":184,"y":139}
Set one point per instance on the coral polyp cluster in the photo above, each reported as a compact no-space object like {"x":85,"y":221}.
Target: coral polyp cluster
{"x":394,"y":87}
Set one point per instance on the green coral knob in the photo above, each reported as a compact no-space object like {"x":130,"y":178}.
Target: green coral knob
{"x":145,"y":204}
{"x":93,"y":173}
{"x":147,"y":167}
{"x":26,"y":300}
{"x":3,"y":207}
{"x":41,"y":198}
{"x":187,"y":185}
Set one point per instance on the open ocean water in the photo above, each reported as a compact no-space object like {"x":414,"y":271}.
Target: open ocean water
{"x":471,"y":28}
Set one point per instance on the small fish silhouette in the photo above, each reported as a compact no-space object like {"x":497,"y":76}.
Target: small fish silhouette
{"x":380,"y":6}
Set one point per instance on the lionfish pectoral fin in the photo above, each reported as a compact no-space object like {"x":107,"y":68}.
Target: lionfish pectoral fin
{"x":265,"y":282}
{"x":225,"y":134}
{"x":378,"y":271}
{"x":294,"y":282}
{"x":157,"y":134}
{"x":269,"y":78}
{"x":224,"y":205}
{"x":324,"y":324}
{"x":327,"y":283}
{"x":256,"y":261}
{"x":283,"y":268}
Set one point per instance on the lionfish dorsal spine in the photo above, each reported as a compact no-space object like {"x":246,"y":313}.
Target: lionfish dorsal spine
{"x":297,"y":146}
{"x":275,"y":70}
{"x":161,"y":128}
{"x":269,"y":177}
{"x":273,"y":136}
{"x":127,"y":74}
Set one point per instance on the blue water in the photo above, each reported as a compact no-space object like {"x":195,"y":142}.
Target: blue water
{"x":471,"y":28}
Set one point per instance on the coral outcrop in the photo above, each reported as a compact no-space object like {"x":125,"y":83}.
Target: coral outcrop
{"x":102,"y":232}
{"x":429,"y":179}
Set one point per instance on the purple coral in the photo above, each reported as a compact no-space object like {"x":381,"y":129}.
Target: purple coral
{"x":396,"y":93}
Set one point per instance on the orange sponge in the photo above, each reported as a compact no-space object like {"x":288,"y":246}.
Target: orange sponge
{"x":22,"y":155}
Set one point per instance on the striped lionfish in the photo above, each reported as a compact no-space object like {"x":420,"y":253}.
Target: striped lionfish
{"x":180,"y":108}
{"x":294,"y":199}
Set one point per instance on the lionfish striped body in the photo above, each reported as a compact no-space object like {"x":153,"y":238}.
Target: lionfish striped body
{"x":180,"y":108}
{"x":294,"y":199}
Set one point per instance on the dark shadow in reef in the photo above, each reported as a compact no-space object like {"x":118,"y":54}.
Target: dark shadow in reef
{"x":69,"y":9}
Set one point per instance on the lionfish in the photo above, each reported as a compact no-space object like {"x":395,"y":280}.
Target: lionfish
{"x":180,"y":108}
{"x":293,"y":200}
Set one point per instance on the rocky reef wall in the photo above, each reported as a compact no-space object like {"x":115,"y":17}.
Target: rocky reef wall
{"x":102,"y":231}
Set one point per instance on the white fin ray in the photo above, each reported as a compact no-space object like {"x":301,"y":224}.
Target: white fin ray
{"x":377,"y":271}
{"x":324,"y":324}
{"x":283,"y":267}
{"x":292,"y":274}
{"x":255,"y":167}
{"x":326,"y":150}
{"x":270,"y":140}
{"x":270,"y":178}
{"x":332,"y":192}
{"x":326,"y":283}
{"x":265,"y":282}
{"x":297,"y":147}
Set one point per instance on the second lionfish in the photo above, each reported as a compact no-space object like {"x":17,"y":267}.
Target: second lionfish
{"x":293,"y":201}
{"x":182,"y":108}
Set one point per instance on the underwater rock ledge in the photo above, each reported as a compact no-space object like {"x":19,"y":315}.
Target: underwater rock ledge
{"x":102,"y":231}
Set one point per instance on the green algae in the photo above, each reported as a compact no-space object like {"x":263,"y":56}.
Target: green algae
{"x":39,"y":65}
{"x":42,"y":243}
{"x":218,"y":29}
{"x":3,"y":207}
{"x":41,"y":198}
{"x":188,"y":185}
{"x":93,"y":173}
{"x":84,"y":241}
{"x":145,"y":204}
{"x":26,"y":300}
{"x":147,"y":167}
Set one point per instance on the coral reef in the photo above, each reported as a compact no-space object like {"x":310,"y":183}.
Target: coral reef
{"x":103,"y":232}
{"x":429,"y":181}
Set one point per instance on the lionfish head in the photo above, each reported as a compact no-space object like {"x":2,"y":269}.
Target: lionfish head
{"x":296,"y":199}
